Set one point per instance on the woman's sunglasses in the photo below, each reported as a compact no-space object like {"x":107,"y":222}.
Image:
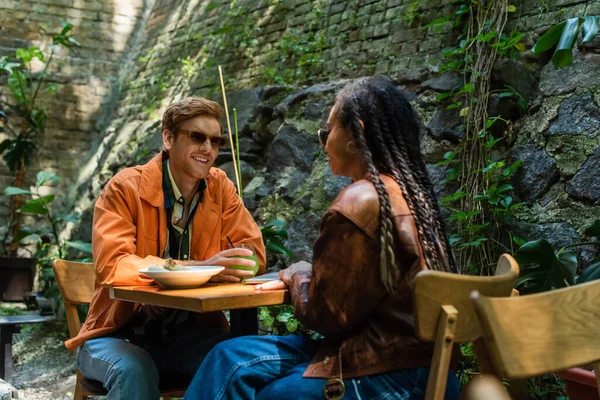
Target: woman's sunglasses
{"x":200,"y":138}
{"x":323,"y":134}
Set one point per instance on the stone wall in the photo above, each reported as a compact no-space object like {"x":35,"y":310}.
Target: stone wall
{"x":283,"y":62}
{"x":86,"y":78}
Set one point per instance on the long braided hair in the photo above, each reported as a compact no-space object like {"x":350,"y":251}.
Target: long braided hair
{"x":390,"y":145}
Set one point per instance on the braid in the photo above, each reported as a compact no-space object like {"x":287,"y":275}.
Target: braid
{"x":390,"y":145}
{"x":387,"y":259}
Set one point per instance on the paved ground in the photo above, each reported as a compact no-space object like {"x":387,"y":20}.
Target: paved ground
{"x":43,"y":368}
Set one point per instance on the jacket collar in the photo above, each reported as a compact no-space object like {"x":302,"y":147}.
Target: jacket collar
{"x":151,"y":182}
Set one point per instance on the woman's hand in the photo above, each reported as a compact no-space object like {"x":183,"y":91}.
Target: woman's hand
{"x":286,"y":276}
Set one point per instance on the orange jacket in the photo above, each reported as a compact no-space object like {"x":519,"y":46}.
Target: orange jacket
{"x":130,"y":233}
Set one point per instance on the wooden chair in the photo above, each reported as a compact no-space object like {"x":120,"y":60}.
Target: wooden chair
{"x":445,"y":315}
{"x":542,"y":333}
{"x":76,"y":285}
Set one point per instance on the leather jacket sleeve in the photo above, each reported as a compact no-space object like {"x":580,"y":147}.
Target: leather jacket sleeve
{"x":344,"y":286}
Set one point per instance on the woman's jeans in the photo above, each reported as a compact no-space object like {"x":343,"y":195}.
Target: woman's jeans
{"x":130,"y":372}
{"x":271,"y":367}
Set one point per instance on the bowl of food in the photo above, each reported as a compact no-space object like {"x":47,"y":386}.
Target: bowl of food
{"x":174,"y":276}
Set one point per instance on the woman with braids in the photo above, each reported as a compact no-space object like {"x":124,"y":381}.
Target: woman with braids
{"x":378,"y":233}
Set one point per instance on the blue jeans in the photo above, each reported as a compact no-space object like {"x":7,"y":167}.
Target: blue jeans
{"x":271,"y":367}
{"x":130,"y":372}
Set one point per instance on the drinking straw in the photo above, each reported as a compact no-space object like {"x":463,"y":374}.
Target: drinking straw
{"x":230,"y":242}
{"x":235,"y":167}
{"x":237,"y":149}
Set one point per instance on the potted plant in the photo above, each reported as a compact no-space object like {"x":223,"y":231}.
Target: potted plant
{"x":24,"y":82}
{"x":543,"y":269}
{"x":45,"y":237}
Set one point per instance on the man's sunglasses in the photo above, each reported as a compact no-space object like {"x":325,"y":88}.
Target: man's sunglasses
{"x":200,"y":138}
{"x":323,"y":134}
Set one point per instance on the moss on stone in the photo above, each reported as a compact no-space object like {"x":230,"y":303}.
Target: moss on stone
{"x":557,"y":206}
{"x":275,"y":207}
{"x":534,"y":127}
{"x":304,"y":125}
{"x":571,"y":152}
{"x":314,"y":187}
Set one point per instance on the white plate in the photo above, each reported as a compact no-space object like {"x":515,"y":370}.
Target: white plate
{"x":190,"y":278}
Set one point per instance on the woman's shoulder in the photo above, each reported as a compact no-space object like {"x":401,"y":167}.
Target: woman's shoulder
{"x":360,"y":204}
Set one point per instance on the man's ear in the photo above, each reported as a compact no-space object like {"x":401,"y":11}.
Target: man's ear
{"x":362,"y":126}
{"x":168,"y":138}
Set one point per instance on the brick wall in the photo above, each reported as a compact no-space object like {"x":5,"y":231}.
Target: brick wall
{"x":77,"y":111}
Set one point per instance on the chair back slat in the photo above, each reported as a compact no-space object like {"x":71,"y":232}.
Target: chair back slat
{"x":434,"y":289}
{"x":537,"y":334}
{"x":75,"y":280}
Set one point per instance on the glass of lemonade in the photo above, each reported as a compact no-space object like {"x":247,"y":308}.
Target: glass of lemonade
{"x":254,"y":257}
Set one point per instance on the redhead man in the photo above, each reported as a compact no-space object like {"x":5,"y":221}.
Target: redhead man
{"x":175,"y":206}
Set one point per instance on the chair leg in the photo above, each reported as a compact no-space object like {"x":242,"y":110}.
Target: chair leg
{"x":79,"y":392}
{"x":440,"y":364}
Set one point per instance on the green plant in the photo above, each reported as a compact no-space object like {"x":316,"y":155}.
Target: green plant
{"x":484,"y":201}
{"x":412,"y":13}
{"x":280,"y":319}
{"x":49,"y":244}
{"x":564,"y":36}
{"x":274,"y":234}
{"x":24,"y":83}
{"x":543,"y":269}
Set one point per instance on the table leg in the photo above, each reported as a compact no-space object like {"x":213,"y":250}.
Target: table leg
{"x":6,"y":333}
{"x":244,"y":322}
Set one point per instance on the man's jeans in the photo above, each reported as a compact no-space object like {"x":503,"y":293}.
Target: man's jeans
{"x":271,"y":367}
{"x":130,"y":372}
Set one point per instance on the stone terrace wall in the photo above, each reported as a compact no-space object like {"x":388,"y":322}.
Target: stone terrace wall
{"x":77,"y":111}
{"x":285,"y":171}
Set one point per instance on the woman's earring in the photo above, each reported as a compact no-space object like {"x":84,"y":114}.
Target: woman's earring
{"x":351,"y":148}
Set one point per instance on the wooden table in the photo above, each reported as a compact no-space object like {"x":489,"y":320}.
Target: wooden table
{"x":242,"y":301}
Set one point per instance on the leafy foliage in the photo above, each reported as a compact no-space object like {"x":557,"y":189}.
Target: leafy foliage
{"x":279,"y":319}
{"x":274,"y":234}
{"x":542,"y":269}
{"x":563,"y":36}
{"x":20,"y":147}
{"x":49,"y":244}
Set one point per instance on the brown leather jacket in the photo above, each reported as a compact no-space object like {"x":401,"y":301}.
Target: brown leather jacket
{"x":343,"y":297}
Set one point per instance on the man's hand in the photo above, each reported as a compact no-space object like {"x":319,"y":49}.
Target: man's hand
{"x":225,"y":259}
{"x":285,"y":275}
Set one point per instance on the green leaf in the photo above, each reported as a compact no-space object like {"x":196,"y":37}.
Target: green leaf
{"x":512,"y":168}
{"x":45,"y":176}
{"x":8,"y":66}
{"x":47,"y":199}
{"x":34,"y":206}
{"x":13,"y":191}
{"x":79,"y":245}
{"x":277,"y":247}
{"x":549,"y":39}
{"x":536,"y":252}
{"x":590,"y":28}
{"x":17,"y":83}
{"x":565,"y":267}
{"x":292,"y":325}
{"x":590,"y":273}
{"x":563,"y":56}
{"x":593,"y":229}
